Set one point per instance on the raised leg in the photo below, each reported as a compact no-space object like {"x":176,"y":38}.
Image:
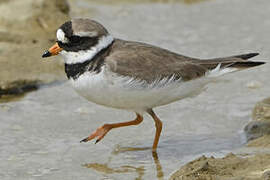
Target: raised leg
{"x":158,"y":124}
{"x":103,"y":130}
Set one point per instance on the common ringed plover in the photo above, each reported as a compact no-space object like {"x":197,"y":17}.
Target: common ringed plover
{"x":131,"y":75}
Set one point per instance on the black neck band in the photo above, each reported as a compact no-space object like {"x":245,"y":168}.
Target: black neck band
{"x":92,"y":65}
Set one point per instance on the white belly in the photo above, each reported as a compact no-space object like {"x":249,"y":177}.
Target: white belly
{"x":108,"y":89}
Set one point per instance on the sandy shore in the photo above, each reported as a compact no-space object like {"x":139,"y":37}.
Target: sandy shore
{"x":231,"y":167}
{"x":247,"y":167}
{"x":24,"y":34}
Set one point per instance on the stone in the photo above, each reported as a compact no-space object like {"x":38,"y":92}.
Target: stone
{"x":24,"y":35}
{"x":260,"y":125}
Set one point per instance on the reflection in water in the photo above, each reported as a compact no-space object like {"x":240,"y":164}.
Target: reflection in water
{"x":120,"y":149}
{"x":160,"y":174}
{"x":104,"y":168}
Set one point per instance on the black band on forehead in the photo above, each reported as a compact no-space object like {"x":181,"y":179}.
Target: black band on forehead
{"x":77,"y":43}
{"x":67,"y":28}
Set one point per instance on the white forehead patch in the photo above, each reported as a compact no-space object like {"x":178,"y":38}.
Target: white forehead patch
{"x":60,"y":35}
{"x":86,"y":34}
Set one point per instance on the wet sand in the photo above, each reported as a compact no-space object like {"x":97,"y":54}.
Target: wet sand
{"x":27,"y":29}
{"x":230,"y":167}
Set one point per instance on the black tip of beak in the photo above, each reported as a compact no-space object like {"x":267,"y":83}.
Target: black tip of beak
{"x":46,"y":54}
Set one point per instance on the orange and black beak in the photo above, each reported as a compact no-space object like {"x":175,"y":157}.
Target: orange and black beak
{"x":54,"y":50}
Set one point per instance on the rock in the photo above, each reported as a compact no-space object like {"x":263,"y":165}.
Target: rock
{"x":230,"y":167}
{"x":263,"y":142}
{"x":10,"y":91}
{"x":261,"y":111}
{"x":260,"y":126}
{"x":256,"y":129}
{"x":266,"y":175}
{"x":27,"y":28}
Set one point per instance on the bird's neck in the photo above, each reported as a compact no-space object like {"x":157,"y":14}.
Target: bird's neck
{"x":94,"y":64}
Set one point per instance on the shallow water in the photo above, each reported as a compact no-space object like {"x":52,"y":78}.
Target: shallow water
{"x":40,"y":133}
{"x":40,"y":138}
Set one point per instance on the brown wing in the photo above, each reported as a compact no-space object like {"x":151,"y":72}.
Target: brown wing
{"x":149,"y":63}
{"x":145,"y":62}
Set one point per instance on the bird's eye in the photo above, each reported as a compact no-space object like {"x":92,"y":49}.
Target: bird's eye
{"x":75,"y":39}
{"x":60,"y":44}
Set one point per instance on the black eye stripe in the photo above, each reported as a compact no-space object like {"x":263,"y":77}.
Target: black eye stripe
{"x":77,"y":43}
{"x":75,"y":39}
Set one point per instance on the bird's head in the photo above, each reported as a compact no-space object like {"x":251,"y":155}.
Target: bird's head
{"x":79,"y":40}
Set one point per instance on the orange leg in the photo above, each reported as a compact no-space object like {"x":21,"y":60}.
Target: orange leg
{"x":103,"y":130}
{"x":158,"y":124}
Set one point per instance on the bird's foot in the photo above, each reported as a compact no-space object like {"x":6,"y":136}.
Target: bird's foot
{"x":99,"y":133}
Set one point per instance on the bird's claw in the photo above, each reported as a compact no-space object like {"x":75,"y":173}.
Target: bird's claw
{"x":84,"y":140}
{"x":99,"y":133}
{"x":97,"y":141}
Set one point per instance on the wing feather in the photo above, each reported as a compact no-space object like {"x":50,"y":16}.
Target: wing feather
{"x":149,"y":63}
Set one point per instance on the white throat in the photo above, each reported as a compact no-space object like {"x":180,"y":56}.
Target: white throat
{"x":84,"y":55}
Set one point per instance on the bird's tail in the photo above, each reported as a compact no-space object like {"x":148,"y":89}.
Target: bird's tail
{"x":220,"y":66}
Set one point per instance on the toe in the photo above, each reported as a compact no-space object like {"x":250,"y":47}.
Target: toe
{"x":84,"y":140}
{"x":97,"y":141}
{"x":99,"y":133}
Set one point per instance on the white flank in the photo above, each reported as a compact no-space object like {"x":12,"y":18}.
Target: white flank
{"x":109,"y":89}
{"x":84,"y":55}
{"x":60,"y":35}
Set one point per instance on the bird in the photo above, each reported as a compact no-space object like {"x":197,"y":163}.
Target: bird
{"x":133,"y":76}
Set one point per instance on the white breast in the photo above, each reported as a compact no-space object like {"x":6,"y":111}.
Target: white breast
{"x":109,"y":89}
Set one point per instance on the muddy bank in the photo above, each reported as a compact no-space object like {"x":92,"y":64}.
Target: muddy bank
{"x":24,"y":34}
{"x":251,"y":167}
{"x":258,"y":130}
{"x":15,"y":90}
{"x":230,"y":167}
